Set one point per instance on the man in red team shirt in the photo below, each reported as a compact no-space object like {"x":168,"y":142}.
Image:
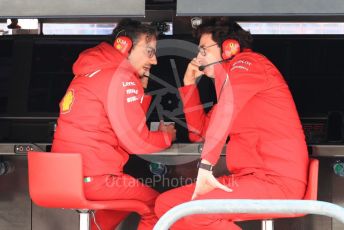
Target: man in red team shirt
{"x":102,"y":116}
{"x":266,"y":155}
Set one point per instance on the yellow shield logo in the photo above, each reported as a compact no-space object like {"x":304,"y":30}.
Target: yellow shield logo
{"x":67,"y":102}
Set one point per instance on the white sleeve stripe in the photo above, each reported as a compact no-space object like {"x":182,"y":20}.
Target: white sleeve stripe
{"x":94,"y":73}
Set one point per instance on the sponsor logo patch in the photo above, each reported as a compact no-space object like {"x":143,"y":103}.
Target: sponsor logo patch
{"x":67,"y":102}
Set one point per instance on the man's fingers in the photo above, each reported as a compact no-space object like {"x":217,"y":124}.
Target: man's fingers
{"x":194,"y":196}
{"x":217,"y":184}
{"x":161,"y":124}
{"x":225,"y":188}
{"x":195,"y":63}
{"x":195,"y":193}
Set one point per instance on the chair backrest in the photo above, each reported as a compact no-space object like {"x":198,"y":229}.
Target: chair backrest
{"x":312,"y":185}
{"x":311,"y":193}
{"x":56,"y":180}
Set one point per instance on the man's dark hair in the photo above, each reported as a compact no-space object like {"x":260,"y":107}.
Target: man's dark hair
{"x":222,"y":28}
{"x":133,"y":29}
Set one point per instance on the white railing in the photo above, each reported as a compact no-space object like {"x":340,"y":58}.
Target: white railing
{"x":249,"y":206}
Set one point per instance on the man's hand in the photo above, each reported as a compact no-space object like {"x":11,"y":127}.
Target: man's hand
{"x":144,"y":82}
{"x":206,"y":182}
{"x":168,"y":129}
{"x":192,"y":72}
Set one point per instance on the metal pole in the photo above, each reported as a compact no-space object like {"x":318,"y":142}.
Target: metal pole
{"x":250,"y":206}
{"x":84,"y":220}
{"x":267,"y":225}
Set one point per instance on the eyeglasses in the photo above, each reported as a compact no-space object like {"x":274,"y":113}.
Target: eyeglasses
{"x":201,"y":49}
{"x":151,"y":52}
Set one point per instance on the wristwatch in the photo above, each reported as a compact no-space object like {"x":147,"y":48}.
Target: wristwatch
{"x":205,"y":166}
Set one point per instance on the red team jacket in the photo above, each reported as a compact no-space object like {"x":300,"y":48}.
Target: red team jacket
{"x":102,"y":115}
{"x":257,"y":111}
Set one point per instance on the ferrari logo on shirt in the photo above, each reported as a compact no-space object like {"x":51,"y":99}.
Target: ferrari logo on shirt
{"x":67,"y":102}
{"x":119,"y":46}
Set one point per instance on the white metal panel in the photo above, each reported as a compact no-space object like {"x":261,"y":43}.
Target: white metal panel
{"x":71,"y":8}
